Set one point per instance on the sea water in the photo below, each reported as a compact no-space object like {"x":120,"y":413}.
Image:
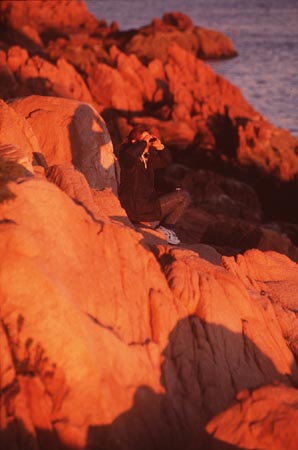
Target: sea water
{"x":264,"y":33}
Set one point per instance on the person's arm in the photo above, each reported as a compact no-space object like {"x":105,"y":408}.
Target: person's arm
{"x":131,"y":152}
{"x":160,"y":158}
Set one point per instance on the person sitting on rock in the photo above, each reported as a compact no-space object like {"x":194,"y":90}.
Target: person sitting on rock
{"x":139,"y":157}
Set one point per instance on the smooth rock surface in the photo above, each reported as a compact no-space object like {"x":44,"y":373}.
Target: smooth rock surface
{"x":75,"y":133}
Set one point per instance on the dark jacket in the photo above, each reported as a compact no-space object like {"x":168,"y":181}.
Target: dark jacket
{"x":137,"y":193}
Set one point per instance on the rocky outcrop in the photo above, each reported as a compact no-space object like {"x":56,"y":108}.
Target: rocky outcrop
{"x":273,"y":409}
{"x":271,"y":149}
{"x":267,"y":273}
{"x":61,"y":79}
{"x":75,"y":133}
{"x":46,"y":16}
{"x":26,"y":75}
{"x":125,"y":87}
{"x":16,"y":134}
{"x":110,"y":338}
{"x":215,"y":193}
{"x":174,"y":342}
{"x":242,"y":235}
{"x":170,"y":89}
{"x":153,"y":41}
{"x":137,"y":331}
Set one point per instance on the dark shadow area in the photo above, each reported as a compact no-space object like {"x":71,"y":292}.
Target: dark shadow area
{"x":225,"y":134}
{"x":123,"y":219}
{"x":39,"y":160}
{"x":88,"y":120}
{"x":112,"y":117}
{"x":213,"y":58}
{"x":175,"y":420}
{"x":158,"y":110}
{"x":276,"y":196}
{"x":40,"y":86}
{"x":161,"y":108}
{"x":17,"y":437}
{"x":193,"y":394}
{"x":13,"y":36}
{"x":51,"y":34}
{"x":8,"y":82}
{"x":88,"y":134}
{"x":237,"y":236}
{"x":10,"y":171}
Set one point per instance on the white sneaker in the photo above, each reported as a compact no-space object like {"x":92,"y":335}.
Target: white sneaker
{"x":170,"y":235}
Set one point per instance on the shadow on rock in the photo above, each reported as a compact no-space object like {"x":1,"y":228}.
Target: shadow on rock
{"x":204,"y":366}
{"x":92,"y":148}
{"x":196,"y":388}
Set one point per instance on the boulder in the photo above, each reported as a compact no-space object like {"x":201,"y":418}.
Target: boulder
{"x":194,"y":85}
{"x":271,"y":149}
{"x":125,"y":87}
{"x":16,"y":56}
{"x":80,"y":50}
{"x":24,"y":75}
{"x":232,"y":236}
{"x":217,"y":194}
{"x":74,"y":132}
{"x":265,"y":418}
{"x":155,"y":45}
{"x":60,"y":79}
{"x":213,"y":44}
{"x":275,"y":278}
{"x":17,"y":138}
{"x":153,"y":41}
{"x":47,"y":16}
{"x":177,"y":20}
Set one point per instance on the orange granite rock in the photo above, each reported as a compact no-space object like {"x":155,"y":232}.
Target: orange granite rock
{"x":275,"y":277}
{"x":109,"y":338}
{"x":16,"y":133}
{"x":90,"y":318}
{"x":266,"y":418}
{"x":75,"y":133}
{"x":153,"y":41}
{"x":46,"y":15}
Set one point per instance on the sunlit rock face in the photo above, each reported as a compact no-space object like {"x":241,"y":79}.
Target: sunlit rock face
{"x":23,"y":75}
{"x":261,"y":419}
{"x":47,"y":16}
{"x":153,"y":41}
{"x":74,"y":133}
{"x":17,"y":139}
{"x":153,"y":348}
{"x":275,"y":282}
{"x":153,"y":75}
{"x":111,"y":339}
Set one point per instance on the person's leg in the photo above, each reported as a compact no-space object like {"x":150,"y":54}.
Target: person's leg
{"x":143,"y":224}
{"x":173,"y":205}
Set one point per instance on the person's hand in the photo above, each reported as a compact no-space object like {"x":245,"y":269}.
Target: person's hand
{"x":152,"y":140}
{"x":145,"y":136}
{"x":155,"y":143}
